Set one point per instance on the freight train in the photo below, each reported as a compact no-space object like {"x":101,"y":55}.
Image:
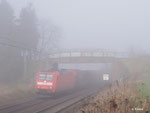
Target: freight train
{"x":65,"y":79}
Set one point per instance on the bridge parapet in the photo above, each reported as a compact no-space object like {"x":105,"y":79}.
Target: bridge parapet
{"x":69,"y":54}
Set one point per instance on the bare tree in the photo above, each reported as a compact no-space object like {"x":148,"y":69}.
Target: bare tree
{"x":50,"y":36}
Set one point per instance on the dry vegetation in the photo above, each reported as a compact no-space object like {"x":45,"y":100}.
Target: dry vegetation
{"x":131,"y":95}
{"x":14,"y":93}
{"x":119,"y":98}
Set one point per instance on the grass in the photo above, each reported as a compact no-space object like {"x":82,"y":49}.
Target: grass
{"x":13,"y":93}
{"x":144,"y":88}
{"x":117,"y":99}
{"x":134,"y":93}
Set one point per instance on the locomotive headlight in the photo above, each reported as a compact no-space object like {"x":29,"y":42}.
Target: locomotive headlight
{"x":49,"y":83}
{"x":40,"y":83}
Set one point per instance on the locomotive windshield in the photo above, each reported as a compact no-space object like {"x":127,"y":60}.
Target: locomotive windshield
{"x":49,"y":77}
{"x":42,"y":76}
{"x":45,"y":76}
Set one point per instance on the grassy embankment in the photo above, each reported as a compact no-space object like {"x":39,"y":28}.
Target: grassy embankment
{"x":139,"y":68}
{"x":22,"y":87}
{"x":127,"y":96}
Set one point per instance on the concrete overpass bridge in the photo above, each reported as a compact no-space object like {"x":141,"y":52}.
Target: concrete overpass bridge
{"x":81,"y":56}
{"x":73,"y":59}
{"x":85,"y":56}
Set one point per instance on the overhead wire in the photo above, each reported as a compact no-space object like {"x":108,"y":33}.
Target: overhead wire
{"x":17,"y":46}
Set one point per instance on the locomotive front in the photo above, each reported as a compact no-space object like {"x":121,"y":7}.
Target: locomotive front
{"x":45,"y":81}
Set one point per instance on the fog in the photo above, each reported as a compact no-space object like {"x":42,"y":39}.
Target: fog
{"x":68,"y":49}
{"x":109,"y":24}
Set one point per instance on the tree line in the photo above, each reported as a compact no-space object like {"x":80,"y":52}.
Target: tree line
{"x":23,"y":40}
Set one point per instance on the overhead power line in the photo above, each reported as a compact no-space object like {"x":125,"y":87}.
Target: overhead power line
{"x":6,"y":38}
{"x":19,"y":47}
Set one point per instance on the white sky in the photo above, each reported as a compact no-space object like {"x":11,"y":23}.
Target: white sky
{"x":109,"y":24}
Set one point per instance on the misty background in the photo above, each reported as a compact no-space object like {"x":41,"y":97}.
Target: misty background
{"x":31,"y":29}
{"x":110,"y":24}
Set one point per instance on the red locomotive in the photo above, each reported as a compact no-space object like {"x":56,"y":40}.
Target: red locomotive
{"x":56,"y":81}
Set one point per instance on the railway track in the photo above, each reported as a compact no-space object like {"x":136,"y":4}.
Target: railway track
{"x":64,"y":104}
{"x":48,"y":104}
{"x":12,"y":108}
